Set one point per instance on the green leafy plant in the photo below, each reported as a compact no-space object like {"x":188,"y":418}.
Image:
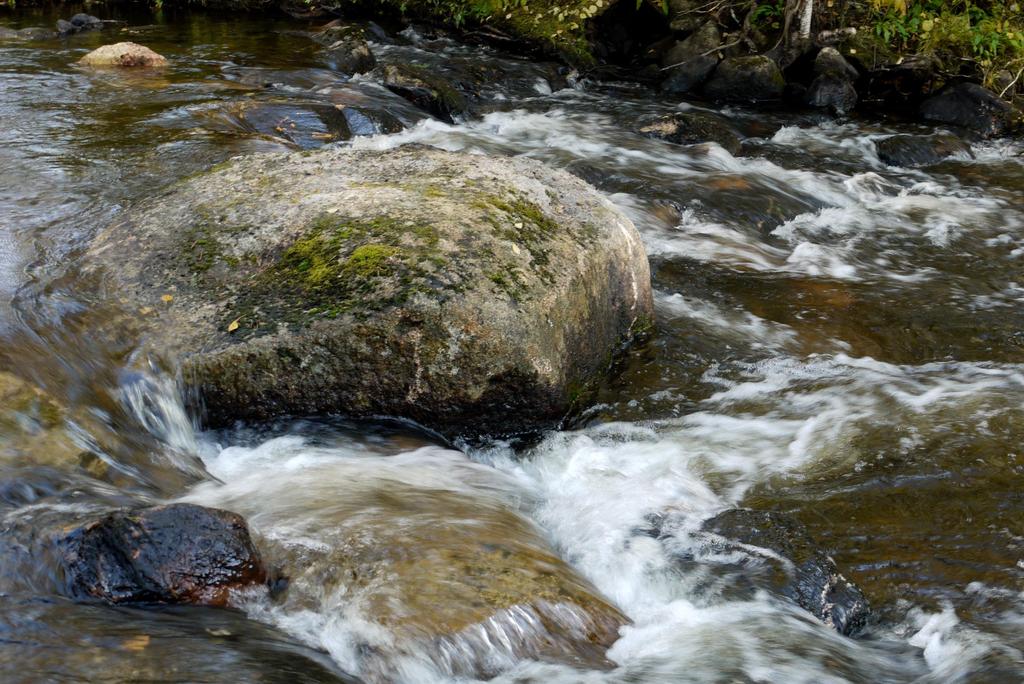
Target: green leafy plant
{"x":989,"y":33}
{"x":769,"y":14}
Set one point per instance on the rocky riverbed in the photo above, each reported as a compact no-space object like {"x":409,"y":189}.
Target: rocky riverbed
{"x":353,"y":352}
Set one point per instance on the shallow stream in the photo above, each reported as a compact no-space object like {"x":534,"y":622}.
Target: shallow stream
{"x":836,"y":338}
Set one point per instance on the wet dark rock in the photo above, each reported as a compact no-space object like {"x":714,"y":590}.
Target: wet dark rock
{"x":833,"y":84}
{"x":691,"y":60}
{"x":833,"y":92}
{"x":830,"y":61}
{"x":746,"y":79}
{"x":86,"y":21}
{"x":427,"y":90}
{"x":685,"y":15}
{"x":346,"y":48}
{"x":364,"y":282}
{"x":973,"y":107}
{"x":691,"y":128}
{"x":304,"y":125}
{"x":810,"y":578}
{"x":921,"y":150}
{"x":179,"y":553}
{"x":78,"y":24}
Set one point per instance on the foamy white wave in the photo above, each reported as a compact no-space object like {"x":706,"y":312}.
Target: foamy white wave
{"x":736,"y":323}
{"x":866,"y":225}
{"x":779,"y":417}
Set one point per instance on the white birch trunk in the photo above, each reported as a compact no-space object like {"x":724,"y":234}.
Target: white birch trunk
{"x":807,"y":13}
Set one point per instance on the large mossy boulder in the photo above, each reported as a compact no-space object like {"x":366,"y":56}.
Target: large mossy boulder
{"x":472,"y":294}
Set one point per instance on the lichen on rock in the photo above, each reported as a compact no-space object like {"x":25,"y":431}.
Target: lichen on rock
{"x":469,"y":293}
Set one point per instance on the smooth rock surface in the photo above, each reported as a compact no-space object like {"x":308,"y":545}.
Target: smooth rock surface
{"x":689,"y":62}
{"x":921,"y":150}
{"x":123,"y":55}
{"x":472,"y":294}
{"x":830,"y":61}
{"x":833,"y":92}
{"x":179,"y":553}
{"x":746,"y":79}
{"x":418,"y":565}
{"x":33,"y":430}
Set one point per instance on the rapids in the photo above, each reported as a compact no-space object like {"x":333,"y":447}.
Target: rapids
{"x":836,"y":338}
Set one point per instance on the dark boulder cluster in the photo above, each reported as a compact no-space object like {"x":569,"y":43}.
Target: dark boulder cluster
{"x":701,"y":60}
{"x":972,"y":107}
{"x":78,"y":24}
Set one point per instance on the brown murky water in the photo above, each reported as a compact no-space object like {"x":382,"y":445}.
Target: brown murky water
{"x":836,"y":338}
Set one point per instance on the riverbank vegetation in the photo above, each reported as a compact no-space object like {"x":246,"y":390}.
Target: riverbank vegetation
{"x":982,"y":38}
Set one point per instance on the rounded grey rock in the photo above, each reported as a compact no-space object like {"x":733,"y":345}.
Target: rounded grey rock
{"x":472,"y":294}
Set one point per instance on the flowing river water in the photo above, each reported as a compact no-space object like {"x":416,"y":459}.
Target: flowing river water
{"x":836,"y":338}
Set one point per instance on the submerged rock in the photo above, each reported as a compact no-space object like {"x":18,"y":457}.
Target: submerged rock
{"x":51,"y":640}
{"x":123,"y":55}
{"x":692,"y":128}
{"x":810,"y":577}
{"x":306,"y":125}
{"x":973,"y":107}
{"x":180,"y":553}
{"x":746,"y":79}
{"x":765,"y":551}
{"x":421,"y":558}
{"x":472,"y":294}
{"x":33,"y":431}
{"x":31,"y":33}
{"x":911,"y":151}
